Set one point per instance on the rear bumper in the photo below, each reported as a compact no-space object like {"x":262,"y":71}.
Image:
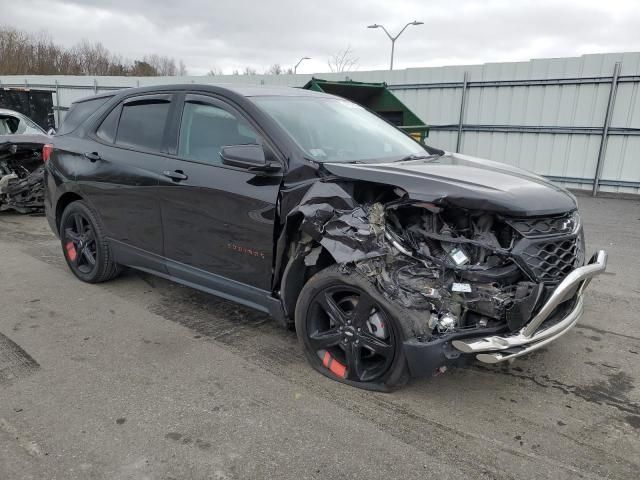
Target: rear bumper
{"x":533,"y":335}
{"x":425,"y":358}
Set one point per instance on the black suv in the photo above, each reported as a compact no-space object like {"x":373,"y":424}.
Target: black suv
{"x":391,"y":258}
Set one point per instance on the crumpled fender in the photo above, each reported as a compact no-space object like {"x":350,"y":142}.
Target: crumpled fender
{"x":348,"y":231}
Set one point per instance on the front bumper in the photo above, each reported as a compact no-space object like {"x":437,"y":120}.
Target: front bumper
{"x":556,"y":317}
{"x":534,"y":335}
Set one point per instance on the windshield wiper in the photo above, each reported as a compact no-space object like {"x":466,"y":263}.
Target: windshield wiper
{"x":416,"y":156}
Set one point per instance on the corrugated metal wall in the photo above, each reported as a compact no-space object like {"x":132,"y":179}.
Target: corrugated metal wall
{"x":545,"y":115}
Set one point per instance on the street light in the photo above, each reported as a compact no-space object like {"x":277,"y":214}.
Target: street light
{"x":299,"y":62}
{"x":393,"y":39}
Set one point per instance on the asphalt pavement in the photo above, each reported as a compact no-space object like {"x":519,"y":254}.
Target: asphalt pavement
{"x":141,"y":378}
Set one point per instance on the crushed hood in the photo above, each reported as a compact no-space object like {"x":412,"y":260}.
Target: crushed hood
{"x":466,"y":182}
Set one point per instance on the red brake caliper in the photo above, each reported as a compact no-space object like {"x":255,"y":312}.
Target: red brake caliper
{"x":333,"y":365}
{"x":71,"y":251}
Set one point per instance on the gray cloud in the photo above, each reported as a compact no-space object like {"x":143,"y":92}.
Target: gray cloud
{"x":234,"y":34}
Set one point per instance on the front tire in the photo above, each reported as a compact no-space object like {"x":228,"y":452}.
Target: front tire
{"x":350,"y":332}
{"x":85,"y":246}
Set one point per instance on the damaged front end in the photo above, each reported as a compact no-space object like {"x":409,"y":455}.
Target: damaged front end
{"x":21,"y":173}
{"x":478,"y":282}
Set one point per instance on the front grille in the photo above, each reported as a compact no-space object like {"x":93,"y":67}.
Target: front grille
{"x":543,"y":226}
{"x":552,"y":260}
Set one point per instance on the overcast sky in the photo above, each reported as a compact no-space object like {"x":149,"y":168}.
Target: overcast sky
{"x":230,"y":35}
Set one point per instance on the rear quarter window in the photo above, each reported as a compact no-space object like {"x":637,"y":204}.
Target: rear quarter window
{"x":79,"y":112}
{"x":109,"y":126}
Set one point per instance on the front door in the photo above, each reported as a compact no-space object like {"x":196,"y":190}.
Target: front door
{"x":218,"y":220}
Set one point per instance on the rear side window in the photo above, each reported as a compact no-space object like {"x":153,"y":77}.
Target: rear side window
{"x":142,"y":124}
{"x":79,"y":112}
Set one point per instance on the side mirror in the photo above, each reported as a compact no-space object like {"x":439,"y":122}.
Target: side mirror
{"x":249,"y":157}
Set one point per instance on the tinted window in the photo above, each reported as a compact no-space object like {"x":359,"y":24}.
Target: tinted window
{"x":142,"y":124}
{"x":79,"y":112}
{"x":108,"y":127}
{"x":205,"y":129}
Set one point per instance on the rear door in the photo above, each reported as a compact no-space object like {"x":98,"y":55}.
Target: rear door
{"x":121,"y":174}
{"x":218,"y":220}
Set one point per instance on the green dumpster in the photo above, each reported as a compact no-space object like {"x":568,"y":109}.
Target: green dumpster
{"x":376,"y":97}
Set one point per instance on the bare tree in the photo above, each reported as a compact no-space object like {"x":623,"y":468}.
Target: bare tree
{"x":343,"y":61}
{"x":215,"y":71}
{"x":95,"y":59}
{"x":165,"y":66}
{"x":21,"y":53}
{"x":27,"y":54}
{"x":182,"y":69}
{"x":249,"y":71}
{"x":275,"y":69}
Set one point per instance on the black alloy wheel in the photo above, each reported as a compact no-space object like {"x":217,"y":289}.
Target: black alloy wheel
{"x":85,"y":245}
{"x":79,"y":241}
{"x":350,"y":332}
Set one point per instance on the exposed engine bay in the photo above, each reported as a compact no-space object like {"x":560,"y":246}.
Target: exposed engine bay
{"x":455,"y":264}
{"x":21,"y":174}
{"x":460,"y":269}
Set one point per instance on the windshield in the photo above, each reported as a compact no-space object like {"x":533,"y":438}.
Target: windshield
{"x":10,"y":124}
{"x":336,"y":130}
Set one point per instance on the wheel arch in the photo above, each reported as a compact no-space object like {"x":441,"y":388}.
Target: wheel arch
{"x":296,"y":273}
{"x":304,"y":232}
{"x":63,"y":202}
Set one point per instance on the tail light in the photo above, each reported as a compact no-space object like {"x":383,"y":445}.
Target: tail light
{"x":47,"y":149}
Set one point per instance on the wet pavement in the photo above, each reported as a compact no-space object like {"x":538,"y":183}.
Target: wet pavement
{"x":142,"y":378}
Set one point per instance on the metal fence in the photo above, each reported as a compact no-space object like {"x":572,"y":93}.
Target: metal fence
{"x":574,"y":120}
{"x":603,"y":131}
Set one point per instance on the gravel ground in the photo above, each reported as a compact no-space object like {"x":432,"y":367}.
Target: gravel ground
{"x":141,"y":378}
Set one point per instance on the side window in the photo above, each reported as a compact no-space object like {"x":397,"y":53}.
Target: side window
{"x":205,"y":129}
{"x":108,"y":127}
{"x":142,"y":124}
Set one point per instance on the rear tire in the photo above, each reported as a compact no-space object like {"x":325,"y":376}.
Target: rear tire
{"x":84,"y":244}
{"x":350,"y":332}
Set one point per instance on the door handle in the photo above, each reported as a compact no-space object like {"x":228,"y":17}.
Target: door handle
{"x":92,"y":156}
{"x":176,"y":175}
